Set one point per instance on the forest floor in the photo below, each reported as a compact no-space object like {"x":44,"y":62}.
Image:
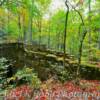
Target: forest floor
{"x":52,"y":90}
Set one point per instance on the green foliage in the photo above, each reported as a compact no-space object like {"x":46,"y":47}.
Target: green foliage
{"x":29,"y":76}
{"x":62,"y":73}
{"x":3,"y":70}
{"x":50,"y":31}
{"x":2,"y":62}
{"x":22,"y":76}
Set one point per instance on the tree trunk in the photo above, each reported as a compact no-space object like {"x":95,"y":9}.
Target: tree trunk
{"x":19,"y":28}
{"x":99,"y":40}
{"x":84,"y":33}
{"x":65,"y":33}
{"x":89,"y":20}
{"x":49,"y":36}
{"x":31,"y":23}
{"x":8,"y":16}
{"x":24,"y":30}
{"x":40,"y":29}
{"x":80,"y":50}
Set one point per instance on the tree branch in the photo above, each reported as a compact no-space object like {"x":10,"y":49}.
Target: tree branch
{"x":81,"y":40}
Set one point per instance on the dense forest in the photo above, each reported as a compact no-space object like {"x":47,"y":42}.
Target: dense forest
{"x":49,"y":44}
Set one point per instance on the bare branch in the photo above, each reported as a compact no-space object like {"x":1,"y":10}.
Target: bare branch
{"x":84,"y":32}
{"x":78,"y":13}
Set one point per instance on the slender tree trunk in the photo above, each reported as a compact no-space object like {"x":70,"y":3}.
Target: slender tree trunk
{"x":89,"y":20}
{"x":30,"y":29}
{"x":80,"y":51}
{"x":65,"y":33}
{"x":8,"y":19}
{"x":49,"y":36}
{"x":84,"y":33}
{"x":40,"y":29}
{"x":99,"y":40}
{"x":24,"y":30}
{"x":62,"y":43}
{"x":19,"y":27}
{"x":81,"y":41}
{"x":31,"y":22}
{"x":59,"y":41}
{"x":2,"y":23}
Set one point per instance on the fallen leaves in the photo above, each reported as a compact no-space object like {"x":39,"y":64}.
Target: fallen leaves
{"x":66,"y":91}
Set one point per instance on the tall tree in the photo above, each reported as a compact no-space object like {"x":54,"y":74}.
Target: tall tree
{"x":65,"y":33}
{"x":89,"y":20}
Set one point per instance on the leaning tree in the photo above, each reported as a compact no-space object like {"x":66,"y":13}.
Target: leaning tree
{"x":82,"y":31}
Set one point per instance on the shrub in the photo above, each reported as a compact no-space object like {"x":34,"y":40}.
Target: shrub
{"x":26,"y":75}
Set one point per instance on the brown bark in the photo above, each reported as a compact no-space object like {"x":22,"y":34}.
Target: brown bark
{"x":89,"y":21}
{"x":49,"y":36}
{"x":84,"y":33}
{"x":65,"y":33}
{"x":19,"y":26}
